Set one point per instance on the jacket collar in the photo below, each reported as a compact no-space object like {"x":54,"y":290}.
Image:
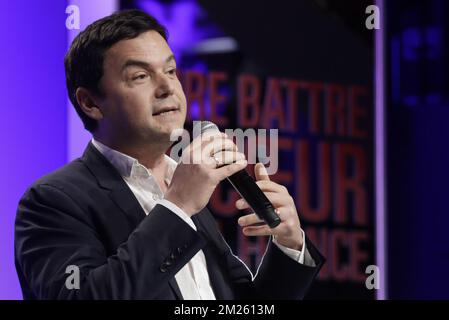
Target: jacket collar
{"x":128,"y":166}
{"x":110,"y":179}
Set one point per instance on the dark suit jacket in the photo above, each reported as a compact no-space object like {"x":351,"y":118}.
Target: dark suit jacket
{"x":84,"y":214}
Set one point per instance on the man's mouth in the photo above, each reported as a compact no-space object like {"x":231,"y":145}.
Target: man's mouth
{"x":166,"y":111}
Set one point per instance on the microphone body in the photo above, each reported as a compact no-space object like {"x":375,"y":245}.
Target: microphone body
{"x":246,"y":186}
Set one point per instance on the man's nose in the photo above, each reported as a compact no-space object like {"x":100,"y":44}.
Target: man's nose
{"x":164,"y":87}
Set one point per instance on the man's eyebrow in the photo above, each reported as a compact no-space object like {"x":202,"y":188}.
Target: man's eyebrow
{"x":143,"y":64}
{"x":137,"y":63}
{"x":170,"y":58}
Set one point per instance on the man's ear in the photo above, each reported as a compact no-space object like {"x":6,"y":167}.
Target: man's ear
{"x":87,"y":103}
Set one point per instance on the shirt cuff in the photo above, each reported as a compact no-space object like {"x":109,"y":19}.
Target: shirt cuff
{"x":178,"y":211}
{"x":297,"y":255}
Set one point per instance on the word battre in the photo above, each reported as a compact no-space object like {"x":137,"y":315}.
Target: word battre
{"x":225,"y":309}
{"x":294,"y":106}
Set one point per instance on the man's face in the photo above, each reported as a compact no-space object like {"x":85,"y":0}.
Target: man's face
{"x":139,"y":83}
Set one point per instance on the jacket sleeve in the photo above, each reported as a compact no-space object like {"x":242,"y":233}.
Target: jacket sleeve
{"x":278,"y":275}
{"x":52,"y":233}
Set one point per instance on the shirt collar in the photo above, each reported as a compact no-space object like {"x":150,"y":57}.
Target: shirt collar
{"x":128,"y":166}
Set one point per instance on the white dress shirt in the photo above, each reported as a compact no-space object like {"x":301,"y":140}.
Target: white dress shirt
{"x":193,"y":278}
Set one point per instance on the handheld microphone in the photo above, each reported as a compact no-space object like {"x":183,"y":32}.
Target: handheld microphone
{"x":246,"y":186}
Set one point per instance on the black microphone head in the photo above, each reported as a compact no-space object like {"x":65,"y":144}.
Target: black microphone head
{"x":208,"y":125}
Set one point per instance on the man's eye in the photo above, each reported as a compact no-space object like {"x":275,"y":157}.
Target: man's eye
{"x":141,"y":76}
{"x":172,"y":71}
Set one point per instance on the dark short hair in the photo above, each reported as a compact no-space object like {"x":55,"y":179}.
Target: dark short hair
{"x":84,"y":60}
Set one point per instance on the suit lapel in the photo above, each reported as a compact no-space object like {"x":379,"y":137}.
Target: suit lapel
{"x":109,"y":178}
{"x":213,"y":251}
{"x":174,"y":286}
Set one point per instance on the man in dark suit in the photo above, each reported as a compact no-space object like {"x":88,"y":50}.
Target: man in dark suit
{"x":125,"y":221}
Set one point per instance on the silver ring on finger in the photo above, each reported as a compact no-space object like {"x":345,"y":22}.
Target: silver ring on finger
{"x":217,"y":162}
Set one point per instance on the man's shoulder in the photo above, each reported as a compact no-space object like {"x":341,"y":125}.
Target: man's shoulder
{"x":72,"y":176}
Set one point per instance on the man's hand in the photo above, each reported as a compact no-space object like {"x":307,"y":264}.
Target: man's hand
{"x":288,"y":232}
{"x":210,"y":158}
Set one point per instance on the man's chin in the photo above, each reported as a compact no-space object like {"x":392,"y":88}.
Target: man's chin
{"x":168,"y":133}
